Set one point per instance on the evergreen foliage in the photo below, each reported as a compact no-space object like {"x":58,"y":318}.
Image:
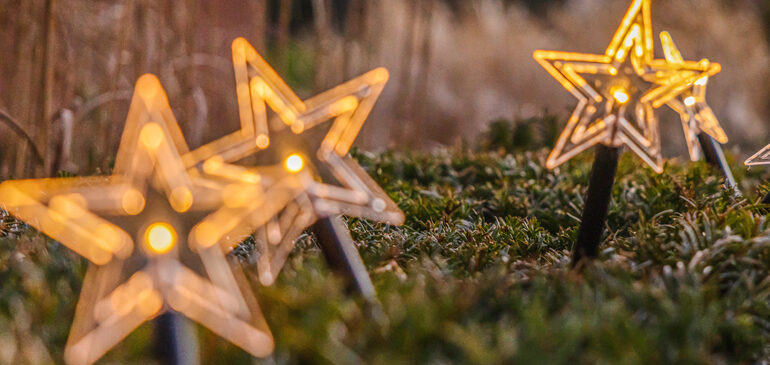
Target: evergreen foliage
{"x":479,"y":272}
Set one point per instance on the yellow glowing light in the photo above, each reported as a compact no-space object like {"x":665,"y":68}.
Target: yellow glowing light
{"x":181,"y":199}
{"x":343,"y":105}
{"x":150,"y":170}
{"x":657,"y":80}
{"x":620,"y":95}
{"x":213,"y":164}
{"x":236,"y":195}
{"x":689,"y":101}
{"x":263,"y":141}
{"x":108,"y":237}
{"x":70,"y":205}
{"x":133,"y":202}
{"x":343,"y":109}
{"x":150,"y":302}
{"x":206,"y":234}
{"x":151,"y":135}
{"x":298,"y":127}
{"x":160,"y":237}
{"x":147,"y":87}
{"x":294,"y":163}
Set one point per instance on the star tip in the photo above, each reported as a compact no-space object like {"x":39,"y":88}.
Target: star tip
{"x":269,"y":346}
{"x":380,"y":74}
{"x":148,"y":79}
{"x":400,"y":219}
{"x":148,"y":85}
{"x":263,"y":141}
{"x":267,"y":279}
{"x":239,"y":44}
{"x":260,"y":343}
{"x":101,"y":260}
{"x":551,"y":163}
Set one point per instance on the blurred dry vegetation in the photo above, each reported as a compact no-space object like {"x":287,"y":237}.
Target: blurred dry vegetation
{"x":68,"y":66}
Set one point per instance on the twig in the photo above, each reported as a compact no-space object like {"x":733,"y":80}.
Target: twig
{"x":98,"y":101}
{"x":16,"y":127}
{"x":199,"y":59}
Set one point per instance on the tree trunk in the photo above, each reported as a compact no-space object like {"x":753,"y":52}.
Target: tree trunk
{"x":43,"y":105}
{"x":260,"y":24}
{"x":284,"y":28}
{"x":322,"y":24}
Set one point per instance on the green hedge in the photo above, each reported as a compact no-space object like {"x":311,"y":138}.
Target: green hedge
{"x":479,"y":272}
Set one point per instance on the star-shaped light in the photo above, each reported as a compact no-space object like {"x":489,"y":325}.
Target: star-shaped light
{"x":299,"y":138}
{"x":618,"y":91}
{"x":762,"y":157}
{"x":690,"y":102}
{"x":134,"y":226}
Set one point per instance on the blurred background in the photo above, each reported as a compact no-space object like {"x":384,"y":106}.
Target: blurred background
{"x":68,"y":66}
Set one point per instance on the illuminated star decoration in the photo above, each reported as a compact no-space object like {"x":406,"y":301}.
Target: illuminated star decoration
{"x":133,"y":226}
{"x":691,"y":103}
{"x":618,"y":91}
{"x":299,"y":138}
{"x":760,"y":158}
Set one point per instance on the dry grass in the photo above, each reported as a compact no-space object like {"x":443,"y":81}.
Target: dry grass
{"x":454,"y":68}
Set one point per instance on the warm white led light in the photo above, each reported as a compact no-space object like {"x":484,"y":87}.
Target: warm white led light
{"x":294,"y":163}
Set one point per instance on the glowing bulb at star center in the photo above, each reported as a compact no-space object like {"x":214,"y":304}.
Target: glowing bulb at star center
{"x":294,"y":163}
{"x":689,"y":101}
{"x":160,"y":237}
{"x":620,"y":95}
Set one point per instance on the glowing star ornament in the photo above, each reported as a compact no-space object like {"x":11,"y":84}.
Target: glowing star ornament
{"x":761,"y":158}
{"x":690,"y":103}
{"x":281,"y":129}
{"x":613,"y":108}
{"x":135,"y":227}
{"x":618,"y":93}
{"x":687,"y":82}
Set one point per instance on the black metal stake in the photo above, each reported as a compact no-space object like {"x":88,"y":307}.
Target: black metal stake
{"x":597,"y":203}
{"x":712,"y":152}
{"x":342,"y":256}
{"x":176,"y":343}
